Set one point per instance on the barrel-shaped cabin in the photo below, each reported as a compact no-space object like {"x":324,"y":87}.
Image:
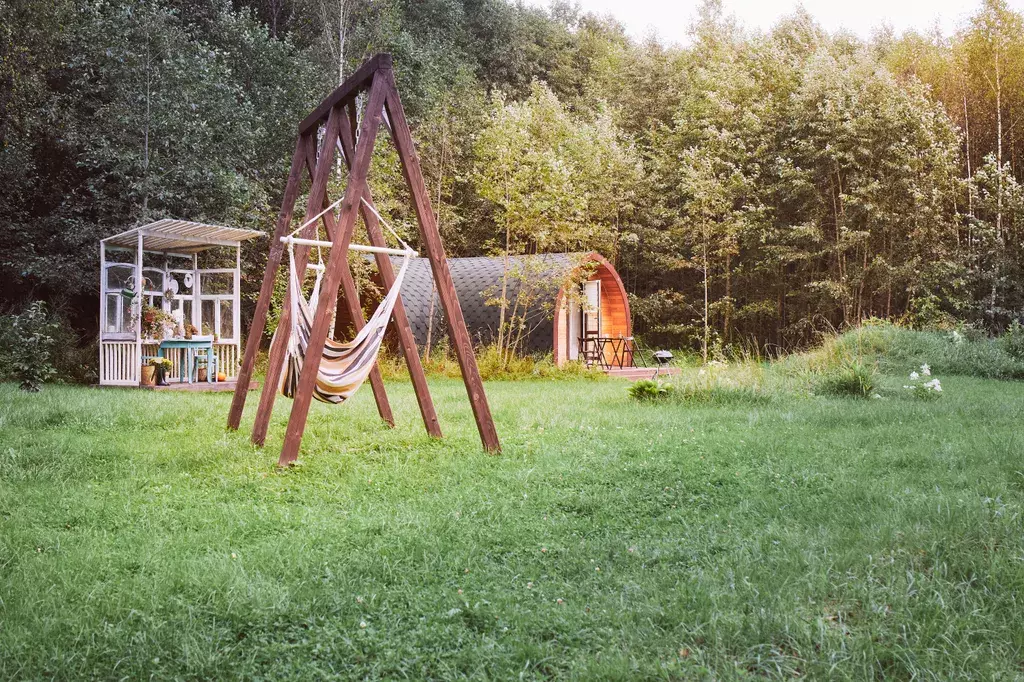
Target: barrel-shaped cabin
{"x":572,"y":305}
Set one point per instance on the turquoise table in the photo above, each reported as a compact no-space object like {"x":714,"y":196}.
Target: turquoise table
{"x":190,"y":346}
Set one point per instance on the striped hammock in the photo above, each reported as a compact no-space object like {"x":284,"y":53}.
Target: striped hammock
{"x":344,"y":366}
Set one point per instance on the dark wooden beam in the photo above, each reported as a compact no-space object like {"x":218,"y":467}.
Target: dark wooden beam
{"x":353,"y":85}
{"x":387,"y":275}
{"x":431,"y":243}
{"x":259,"y":319}
{"x":337,"y":260}
{"x":351,"y":293}
{"x":279,"y":346}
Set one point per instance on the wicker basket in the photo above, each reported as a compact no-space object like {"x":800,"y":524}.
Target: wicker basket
{"x":148,"y":377}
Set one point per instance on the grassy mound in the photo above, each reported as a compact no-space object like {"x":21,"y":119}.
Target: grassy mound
{"x":952,"y":352}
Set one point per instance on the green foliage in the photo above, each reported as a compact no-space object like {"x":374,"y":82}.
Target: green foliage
{"x":559,"y":182}
{"x":754,"y":189}
{"x":161,"y":362}
{"x":854,"y":378}
{"x":650,"y":390}
{"x":29,"y":341}
{"x":1012,"y":342}
{"x":127,"y":111}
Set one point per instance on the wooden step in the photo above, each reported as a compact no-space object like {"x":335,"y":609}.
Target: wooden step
{"x":637,"y":373}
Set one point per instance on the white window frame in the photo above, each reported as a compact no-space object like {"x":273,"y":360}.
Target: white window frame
{"x":126,"y":327}
{"x":233,"y":297}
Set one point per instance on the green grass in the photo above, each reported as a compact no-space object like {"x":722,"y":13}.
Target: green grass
{"x":795,"y":536}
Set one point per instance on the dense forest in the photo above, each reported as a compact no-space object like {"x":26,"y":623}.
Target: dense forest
{"x":752,"y":188}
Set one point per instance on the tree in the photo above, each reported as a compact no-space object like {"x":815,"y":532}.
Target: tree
{"x":556,"y":182}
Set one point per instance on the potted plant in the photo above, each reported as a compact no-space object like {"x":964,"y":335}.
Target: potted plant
{"x":155,"y":321}
{"x":162,"y":366}
{"x":148,"y":376}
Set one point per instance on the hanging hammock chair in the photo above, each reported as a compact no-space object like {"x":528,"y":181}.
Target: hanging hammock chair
{"x":344,"y":366}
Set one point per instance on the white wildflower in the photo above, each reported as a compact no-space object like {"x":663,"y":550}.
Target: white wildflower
{"x":914,"y":376}
{"x":926,"y":370}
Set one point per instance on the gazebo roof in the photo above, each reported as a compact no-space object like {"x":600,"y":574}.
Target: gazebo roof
{"x":181,"y":236}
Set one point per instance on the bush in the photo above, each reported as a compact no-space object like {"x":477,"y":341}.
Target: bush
{"x":1012,"y":342}
{"x":854,"y":378}
{"x":28,"y":340}
{"x":650,"y":390}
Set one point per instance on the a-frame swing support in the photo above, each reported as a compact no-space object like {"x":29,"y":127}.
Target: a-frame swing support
{"x":355,"y":139}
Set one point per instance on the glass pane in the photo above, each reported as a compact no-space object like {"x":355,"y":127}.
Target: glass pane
{"x":227,"y":320}
{"x":180,"y":278}
{"x":186,"y":306}
{"x":216,"y":283}
{"x":113,"y":303}
{"x":117,"y":276}
{"x":154,"y":280}
{"x":174,"y":308}
{"x":126,"y":315}
{"x":209,"y":315}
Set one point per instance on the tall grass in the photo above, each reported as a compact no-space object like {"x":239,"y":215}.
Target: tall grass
{"x":852,"y":364}
{"x":947,"y":352}
{"x":493,"y":366}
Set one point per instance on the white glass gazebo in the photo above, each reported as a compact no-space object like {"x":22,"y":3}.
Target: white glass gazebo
{"x":188,"y":271}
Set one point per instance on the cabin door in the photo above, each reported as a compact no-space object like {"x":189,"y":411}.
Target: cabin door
{"x":592,"y":312}
{"x":584,"y":318}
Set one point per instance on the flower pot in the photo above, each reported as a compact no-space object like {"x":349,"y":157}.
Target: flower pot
{"x":201,"y":374}
{"x":148,"y":375}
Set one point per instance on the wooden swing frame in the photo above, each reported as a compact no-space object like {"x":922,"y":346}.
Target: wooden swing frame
{"x":355,"y":138}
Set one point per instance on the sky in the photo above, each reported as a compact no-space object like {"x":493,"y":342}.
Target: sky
{"x":670,"y":18}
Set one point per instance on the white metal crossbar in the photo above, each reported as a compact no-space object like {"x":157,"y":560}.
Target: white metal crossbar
{"x":352,"y":247}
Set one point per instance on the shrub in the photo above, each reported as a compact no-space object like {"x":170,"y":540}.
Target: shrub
{"x":650,"y":390}
{"x":854,"y":378}
{"x":29,"y":340}
{"x":1012,"y":342}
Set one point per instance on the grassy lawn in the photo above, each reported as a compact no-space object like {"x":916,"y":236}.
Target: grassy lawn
{"x":791,"y":536}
